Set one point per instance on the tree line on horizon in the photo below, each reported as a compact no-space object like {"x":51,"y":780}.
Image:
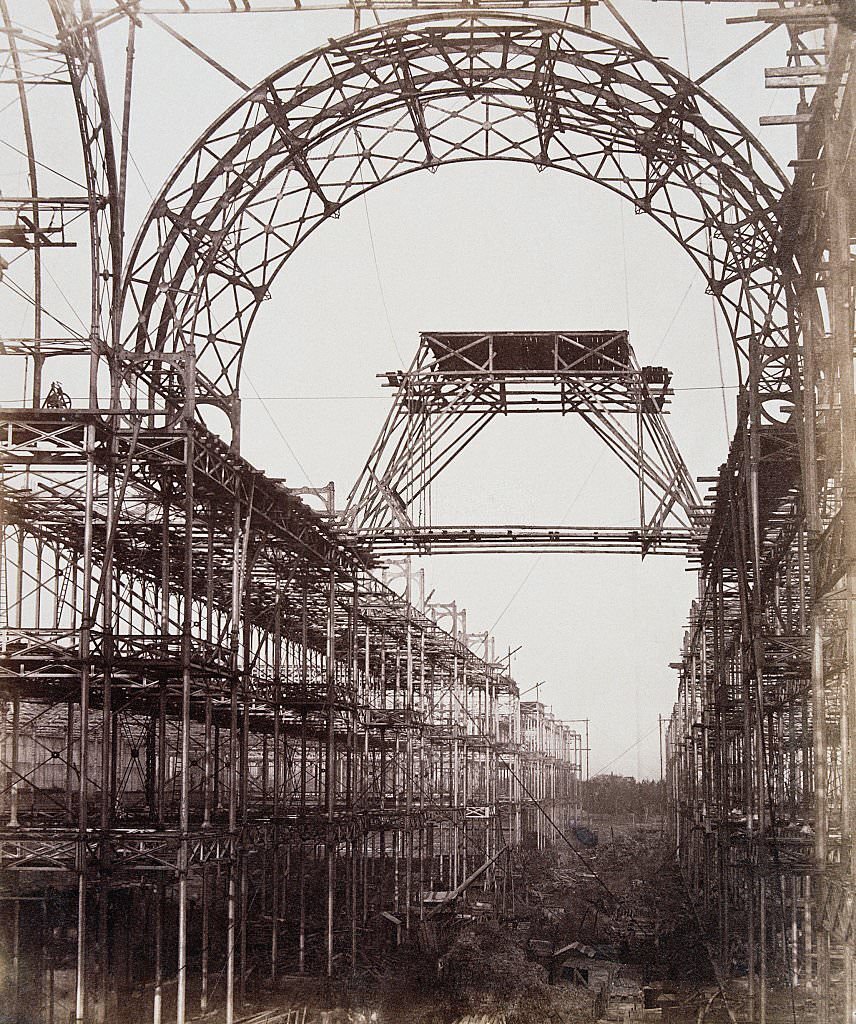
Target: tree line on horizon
{"x":623,"y":795}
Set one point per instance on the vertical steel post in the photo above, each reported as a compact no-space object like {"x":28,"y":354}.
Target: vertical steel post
{"x":838,"y":151}
{"x":85,"y":670}
{"x":205,"y":950}
{"x":277,"y":769}
{"x":186,"y":661}
{"x":330,"y":762}
{"x":235,"y":616}
{"x":157,"y":998}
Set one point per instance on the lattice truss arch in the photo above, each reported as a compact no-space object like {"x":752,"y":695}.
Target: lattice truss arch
{"x":399,"y":98}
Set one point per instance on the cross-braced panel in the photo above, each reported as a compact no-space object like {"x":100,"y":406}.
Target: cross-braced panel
{"x":458,"y":383}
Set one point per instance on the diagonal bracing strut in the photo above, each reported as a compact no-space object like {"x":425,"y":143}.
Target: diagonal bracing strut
{"x":458,"y":383}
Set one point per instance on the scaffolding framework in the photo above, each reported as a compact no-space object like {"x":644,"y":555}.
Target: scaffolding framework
{"x":459,"y":383}
{"x":227,"y":749}
{"x":248,"y":726}
{"x":759,"y":748}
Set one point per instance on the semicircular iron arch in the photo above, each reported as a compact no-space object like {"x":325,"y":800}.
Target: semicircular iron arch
{"x":406,"y":96}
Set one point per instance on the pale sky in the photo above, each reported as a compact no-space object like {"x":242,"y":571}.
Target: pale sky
{"x":478,"y":247}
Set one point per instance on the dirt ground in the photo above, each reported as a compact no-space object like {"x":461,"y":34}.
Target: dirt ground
{"x":620,"y":905}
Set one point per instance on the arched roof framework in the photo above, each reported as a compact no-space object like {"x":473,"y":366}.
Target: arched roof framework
{"x":372,"y":107}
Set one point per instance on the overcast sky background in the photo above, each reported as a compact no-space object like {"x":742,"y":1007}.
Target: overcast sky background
{"x":478,"y":247}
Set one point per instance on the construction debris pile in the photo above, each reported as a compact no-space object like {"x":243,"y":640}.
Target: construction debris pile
{"x":572,"y":935}
{"x":581,"y":935}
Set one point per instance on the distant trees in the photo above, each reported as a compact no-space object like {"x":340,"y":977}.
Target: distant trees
{"x":622,"y":796}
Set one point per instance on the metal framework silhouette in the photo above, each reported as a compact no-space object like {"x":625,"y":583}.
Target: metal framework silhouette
{"x":217,"y":724}
{"x":458,"y":384}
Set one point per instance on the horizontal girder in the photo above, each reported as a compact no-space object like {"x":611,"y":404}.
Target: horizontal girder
{"x":503,"y":539}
